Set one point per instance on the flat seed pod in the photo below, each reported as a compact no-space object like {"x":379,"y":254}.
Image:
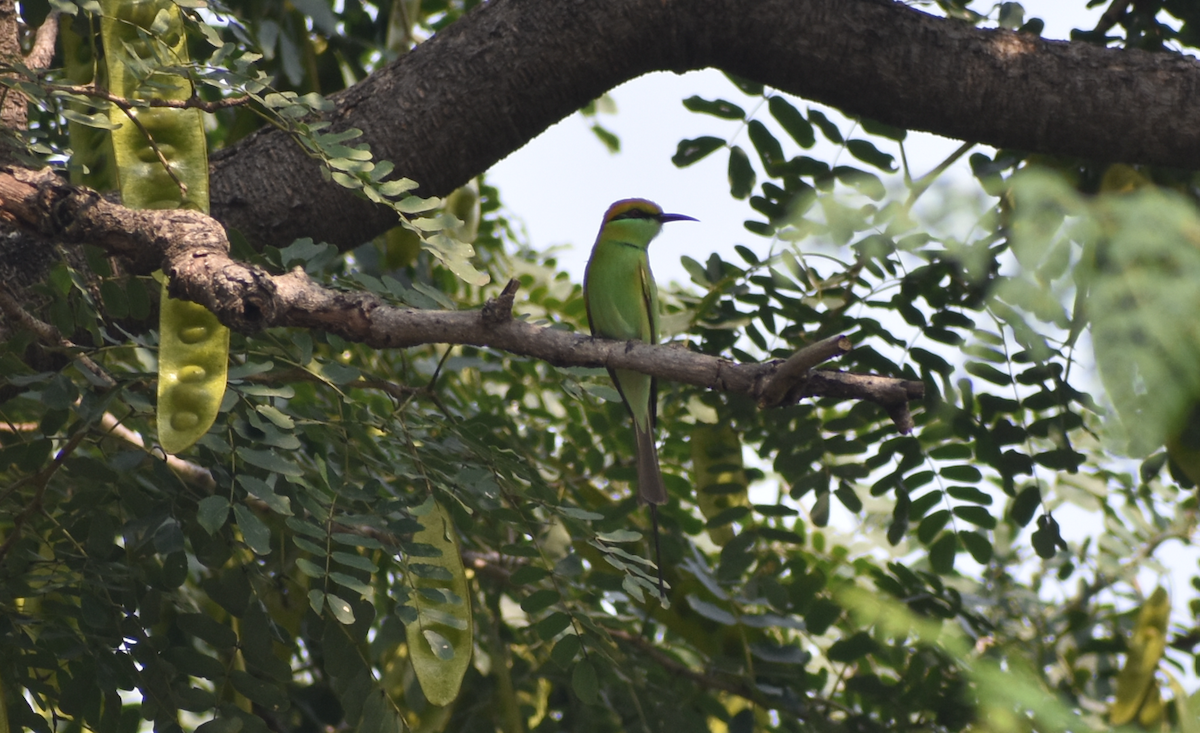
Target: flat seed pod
{"x":440,"y":640}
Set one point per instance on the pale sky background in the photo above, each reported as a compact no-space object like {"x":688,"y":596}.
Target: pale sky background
{"x":561,"y":183}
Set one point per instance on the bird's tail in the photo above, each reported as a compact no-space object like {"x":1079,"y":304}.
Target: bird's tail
{"x":650,"y":484}
{"x":651,"y":491}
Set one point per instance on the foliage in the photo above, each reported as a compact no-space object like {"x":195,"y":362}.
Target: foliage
{"x":306,"y":576}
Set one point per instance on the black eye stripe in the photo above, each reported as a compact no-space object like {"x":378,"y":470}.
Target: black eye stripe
{"x":634,"y":214}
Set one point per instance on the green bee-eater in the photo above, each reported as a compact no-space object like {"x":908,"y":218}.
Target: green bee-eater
{"x":622,"y":303}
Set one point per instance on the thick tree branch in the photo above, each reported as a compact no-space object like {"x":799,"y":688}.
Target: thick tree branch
{"x":494,"y":80}
{"x":193,"y":250}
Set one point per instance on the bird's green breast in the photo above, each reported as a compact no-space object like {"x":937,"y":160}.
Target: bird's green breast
{"x":622,"y":301}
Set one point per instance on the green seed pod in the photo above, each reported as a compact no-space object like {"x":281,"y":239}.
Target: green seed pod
{"x":193,"y":345}
{"x":440,"y":641}
{"x":193,"y":357}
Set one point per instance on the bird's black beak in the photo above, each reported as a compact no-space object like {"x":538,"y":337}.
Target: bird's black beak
{"x":664,"y":218}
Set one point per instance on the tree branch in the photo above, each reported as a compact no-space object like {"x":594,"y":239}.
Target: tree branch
{"x":489,"y":83}
{"x":194,"y":252}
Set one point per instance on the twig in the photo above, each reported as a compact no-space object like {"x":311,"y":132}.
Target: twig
{"x":192,"y":102}
{"x":794,"y":372}
{"x":190,"y":472}
{"x":43,"y":42}
{"x":499,"y":309}
{"x":49,"y":336}
{"x":42,"y":479}
{"x":158,"y":153}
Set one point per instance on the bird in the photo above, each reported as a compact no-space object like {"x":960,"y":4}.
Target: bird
{"x":622,"y":303}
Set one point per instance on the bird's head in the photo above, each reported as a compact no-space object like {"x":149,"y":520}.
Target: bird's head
{"x":637,"y":220}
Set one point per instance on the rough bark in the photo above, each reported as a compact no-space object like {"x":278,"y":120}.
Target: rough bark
{"x":492,"y":81}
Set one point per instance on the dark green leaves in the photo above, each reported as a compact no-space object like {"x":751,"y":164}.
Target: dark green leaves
{"x":690,"y":151}
{"x":212,"y":512}
{"x":584,"y":682}
{"x":869,"y":154}
{"x":828,"y":129}
{"x":792,"y":121}
{"x":717,"y":108}
{"x":1046,"y":538}
{"x":741,"y":173}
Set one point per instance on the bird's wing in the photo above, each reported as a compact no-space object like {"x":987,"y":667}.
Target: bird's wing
{"x":650,"y":304}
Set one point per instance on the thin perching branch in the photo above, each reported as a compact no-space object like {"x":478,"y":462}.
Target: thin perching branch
{"x":194,"y":252}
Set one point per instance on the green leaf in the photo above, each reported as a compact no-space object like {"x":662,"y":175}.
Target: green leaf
{"x":553,"y":625}
{"x":357,"y":540}
{"x":99,"y":120}
{"x":269,"y":461}
{"x":978,"y":545}
{"x":341,"y":609}
{"x":768,"y":148}
{"x":747,"y":86}
{"x":539,"y":600}
{"x":351,"y":582}
{"x":212,"y":632}
{"x":276,"y":416}
{"x":884,"y":130}
{"x":309,"y":568}
{"x":620,"y":535}
{"x":868,"y":184}
{"x":727,"y":516}
{"x":775,"y":510}
{"x":254,"y":532}
{"x":565,"y":650}
{"x":792,"y":121}
{"x":259,"y":489}
{"x":854,"y":647}
{"x":584,"y":682}
{"x":211,"y":513}
{"x":942,"y":552}
{"x":355,"y":560}
{"x":871,"y":155}
{"x":528,"y":574}
{"x":1061,"y":459}
{"x":690,"y":151}
{"x":610,"y":140}
{"x":900,"y":515}
{"x":741,"y":173}
{"x":931,"y":525}
{"x":259,"y":691}
{"x":316,"y":600}
{"x":711,"y":611}
{"x":820,"y":511}
{"x":849,"y":498}
{"x":971,"y":494}
{"x":1047,"y":539}
{"x":987,"y":372}
{"x":967,"y":473}
{"x":828,"y":129}
{"x":441,"y":647}
{"x":716,"y":107}
{"x":577,"y":513}
{"x":976,"y":515}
